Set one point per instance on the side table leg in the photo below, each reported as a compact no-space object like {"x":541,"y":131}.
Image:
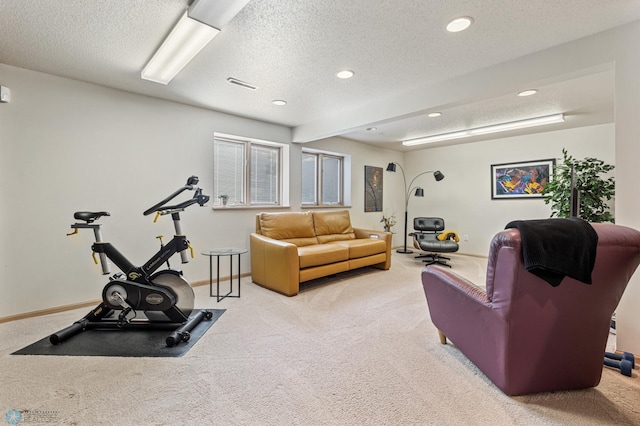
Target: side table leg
{"x":239,"y":274}
{"x":218,"y":279}
{"x":210,"y":276}
{"x":230,"y":275}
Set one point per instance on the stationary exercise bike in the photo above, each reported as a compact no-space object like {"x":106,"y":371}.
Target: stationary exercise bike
{"x":165,"y":297}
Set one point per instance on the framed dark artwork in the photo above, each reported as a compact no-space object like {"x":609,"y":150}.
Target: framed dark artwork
{"x":373,"y":189}
{"x":525,"y":179}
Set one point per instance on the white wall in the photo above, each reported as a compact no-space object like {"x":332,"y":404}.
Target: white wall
{"x":463,"y":198}
{"x":67,"y":146}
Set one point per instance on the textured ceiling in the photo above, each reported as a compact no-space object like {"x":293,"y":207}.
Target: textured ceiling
{"x":292,"y":49}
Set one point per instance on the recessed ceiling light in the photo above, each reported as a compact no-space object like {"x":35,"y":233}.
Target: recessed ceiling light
{"x":344,"y":74}
{"x":371,"y":129}
{"x":528,"y":92}
{"x":279,"y":102}
{"x":434,"y":114}
{"x":459,"y":24}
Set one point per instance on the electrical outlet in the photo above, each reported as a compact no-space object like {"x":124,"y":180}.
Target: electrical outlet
{"x":466,"y":237}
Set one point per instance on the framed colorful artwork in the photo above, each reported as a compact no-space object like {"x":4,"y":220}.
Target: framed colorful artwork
{"x":525,"y":179}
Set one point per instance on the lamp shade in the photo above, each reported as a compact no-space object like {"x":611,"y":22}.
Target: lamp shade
{"x":419,"y":192}
{"x":438,"y":175}
{"x":391,"y":167}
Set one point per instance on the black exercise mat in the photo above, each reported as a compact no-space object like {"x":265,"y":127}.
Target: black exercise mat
{"x":124,"y":343}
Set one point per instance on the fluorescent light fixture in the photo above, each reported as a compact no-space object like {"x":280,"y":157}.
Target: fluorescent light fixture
{"x":459,"y":24}
{"x":197,"y":27}
{"x":182,"y":44}
{"x":437,"y":138}
{"x":495,"y":128}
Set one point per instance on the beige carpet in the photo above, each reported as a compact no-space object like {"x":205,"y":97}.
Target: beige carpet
{"x":358,"y":349}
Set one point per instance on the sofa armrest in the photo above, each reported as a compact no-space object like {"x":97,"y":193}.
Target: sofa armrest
{"x":380,"y":235}
{"x":372,"y":233}
{"x":275,"y":264}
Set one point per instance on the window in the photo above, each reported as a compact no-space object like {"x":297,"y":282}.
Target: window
{"x":250,"y":172}
{"x":326,"y":178}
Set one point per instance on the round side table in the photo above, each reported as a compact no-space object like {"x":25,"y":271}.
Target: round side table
{"x":217,"y":253}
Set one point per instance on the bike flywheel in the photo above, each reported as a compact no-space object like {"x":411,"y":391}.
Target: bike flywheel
{"x":184,"y":294}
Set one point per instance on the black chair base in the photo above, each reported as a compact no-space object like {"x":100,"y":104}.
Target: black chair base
{"x":434,"y":259}
{"x":431,"y":256}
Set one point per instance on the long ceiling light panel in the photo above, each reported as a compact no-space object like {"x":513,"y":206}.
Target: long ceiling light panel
{"x":513,"y":125}
{"x":197,"y":27}
{"x":182,"y":44}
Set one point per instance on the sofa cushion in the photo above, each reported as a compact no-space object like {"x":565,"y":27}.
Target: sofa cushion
{"x":322,"y":254}
{"x":333,"y":226}
{"x":364,"y":247}
{"x":296,"y":228}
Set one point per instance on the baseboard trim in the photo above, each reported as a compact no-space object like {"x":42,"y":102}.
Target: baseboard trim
{"x":222,"y":280}
{"x":48,"y":311}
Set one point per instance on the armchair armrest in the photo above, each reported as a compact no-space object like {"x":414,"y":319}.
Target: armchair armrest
{"x":455,"y":283}
{"x":463,"y":313}
{"x":275,"y":264}
{"x":458,"y":308}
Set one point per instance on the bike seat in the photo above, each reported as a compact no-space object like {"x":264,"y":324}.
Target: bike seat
{"x":89,"y":216}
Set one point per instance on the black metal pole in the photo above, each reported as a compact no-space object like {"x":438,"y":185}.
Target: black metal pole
{"x":406,"y":215}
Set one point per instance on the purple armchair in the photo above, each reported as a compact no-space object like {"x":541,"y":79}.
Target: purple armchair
{"x":523,"y":334}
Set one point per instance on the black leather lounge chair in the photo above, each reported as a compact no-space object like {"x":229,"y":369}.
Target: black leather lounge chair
{"x":425,"y":238}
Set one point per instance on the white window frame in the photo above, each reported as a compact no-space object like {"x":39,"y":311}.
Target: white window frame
{"x":345,"y":179}
{"x":283,"y":173}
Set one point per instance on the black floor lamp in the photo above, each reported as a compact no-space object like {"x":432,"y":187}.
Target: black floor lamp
{"x":391,"y":167}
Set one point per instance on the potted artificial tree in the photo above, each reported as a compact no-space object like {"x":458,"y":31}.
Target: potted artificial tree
{"x":595,"y":190}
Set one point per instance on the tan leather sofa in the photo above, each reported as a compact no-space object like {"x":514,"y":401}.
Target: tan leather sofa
{"x":292,"y":247}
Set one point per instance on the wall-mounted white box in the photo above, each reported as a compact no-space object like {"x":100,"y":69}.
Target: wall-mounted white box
{"x":5,"y":94}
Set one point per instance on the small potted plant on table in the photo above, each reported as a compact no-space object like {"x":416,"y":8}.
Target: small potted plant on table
{"x":388,"y":222}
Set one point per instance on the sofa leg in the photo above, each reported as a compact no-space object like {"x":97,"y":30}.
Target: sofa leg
{"x":443,"y":338}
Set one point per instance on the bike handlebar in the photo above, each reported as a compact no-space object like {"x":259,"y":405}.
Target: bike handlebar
{"x":197,"y":198}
